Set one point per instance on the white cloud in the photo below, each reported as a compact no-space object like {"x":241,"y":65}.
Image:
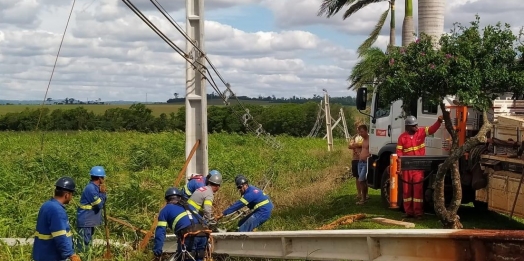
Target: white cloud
{"x":22,"y":13}
{"x":110,"y":53}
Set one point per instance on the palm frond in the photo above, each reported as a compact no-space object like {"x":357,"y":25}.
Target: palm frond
{"x":367,"y":69}
{"x":332,"y":7}
{"x":359,"y":5}
{"x":374,"y":34}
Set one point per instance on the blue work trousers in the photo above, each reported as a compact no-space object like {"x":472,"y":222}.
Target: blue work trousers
{"x":251,"y":221}
{"x":86,"y":235}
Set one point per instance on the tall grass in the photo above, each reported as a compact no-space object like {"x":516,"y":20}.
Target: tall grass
{"x":141,"y":166}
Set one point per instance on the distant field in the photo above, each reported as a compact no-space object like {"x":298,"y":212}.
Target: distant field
{"x":100,"y":109}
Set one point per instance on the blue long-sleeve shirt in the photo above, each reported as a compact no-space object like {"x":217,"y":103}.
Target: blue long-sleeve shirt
{"x":255,"y":199}
{"x":89,"y":213}
{"x":193,"y":184}
{"x":175,"y":217}
{"x":53,"y":236}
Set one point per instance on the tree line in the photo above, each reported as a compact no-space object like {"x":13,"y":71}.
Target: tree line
{"x":347,"y":100}
{"x":291,"y":119}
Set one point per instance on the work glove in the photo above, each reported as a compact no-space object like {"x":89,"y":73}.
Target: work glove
{"x":103,"y":188}
{"x":157,"y":252}
{"x":75,"y":257}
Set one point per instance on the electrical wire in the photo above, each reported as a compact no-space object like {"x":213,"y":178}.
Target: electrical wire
{"x":164,"y":12}
{"x":179,"y":50}
{"x":248,"y":118}
{"x":209,"y":78}
{"x":158,"y":32}
{"x":54,"y":65}
{"x":50,"y":79}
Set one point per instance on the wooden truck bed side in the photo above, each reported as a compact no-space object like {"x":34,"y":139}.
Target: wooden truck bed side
{"x":504,"y":175}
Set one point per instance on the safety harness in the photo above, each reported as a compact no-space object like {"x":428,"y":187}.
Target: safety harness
{"x":194,"y":230}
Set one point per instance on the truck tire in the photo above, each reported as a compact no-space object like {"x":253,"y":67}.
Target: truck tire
{"x":384,"y":190}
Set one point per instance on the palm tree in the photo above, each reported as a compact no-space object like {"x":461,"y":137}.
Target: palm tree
{"x":407,"y":26}
{"x":431,"y":18}
{"x":332,"y":7}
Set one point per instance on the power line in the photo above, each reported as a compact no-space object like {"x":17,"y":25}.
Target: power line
{"x":247,"y":119}
{"x":158,"y":32}
{"x":164,"y":12}
{"x":54,"y":65}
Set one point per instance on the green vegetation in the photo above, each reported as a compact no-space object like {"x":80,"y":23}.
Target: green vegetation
{"x":290,"y":119}
{"x":156,"y":109}
{"x":142,"y":166}
{"x":309,"y":187}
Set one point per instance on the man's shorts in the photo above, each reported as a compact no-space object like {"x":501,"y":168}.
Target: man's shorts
{"x":354,"y":168}
{"x":362,"y":170}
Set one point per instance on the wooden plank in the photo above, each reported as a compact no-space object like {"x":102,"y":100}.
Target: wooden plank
{"x":386,"y":221}
{"x":509,"y":120}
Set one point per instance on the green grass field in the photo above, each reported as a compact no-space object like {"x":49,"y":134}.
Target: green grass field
{"x":100,"y":109}
{"x":310,"y":187}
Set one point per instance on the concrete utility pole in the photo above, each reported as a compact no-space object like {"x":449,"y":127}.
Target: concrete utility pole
{"x":329,"y":131}
{"x":196,"y":95}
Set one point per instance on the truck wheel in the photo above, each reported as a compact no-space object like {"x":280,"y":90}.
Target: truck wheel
{"x":384,"y":190}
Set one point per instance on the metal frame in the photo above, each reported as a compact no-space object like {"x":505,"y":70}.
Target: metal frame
{"x":196,"y":94}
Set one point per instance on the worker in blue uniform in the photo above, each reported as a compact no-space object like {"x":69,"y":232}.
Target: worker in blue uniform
{"x":89,"y":212}
{"x":189,"y":227}
{"x":53,"y":239}
{"x":254,"y":199}
{"x":195,"y":182}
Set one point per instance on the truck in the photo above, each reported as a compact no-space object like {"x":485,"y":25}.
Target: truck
{"x":386,"y":125}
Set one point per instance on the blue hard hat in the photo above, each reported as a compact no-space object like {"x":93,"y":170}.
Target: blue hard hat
{"x":240,"y":180}
{"x":173,"y":192}
{"x":214,"y":172}
{"x":66,"y":183}
{"x":98,"y":171}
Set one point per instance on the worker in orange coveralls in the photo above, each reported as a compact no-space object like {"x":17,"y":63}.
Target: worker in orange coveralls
{"x":411,"y":143}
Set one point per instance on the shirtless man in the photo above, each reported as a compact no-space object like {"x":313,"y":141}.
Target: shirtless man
{"x":363,"y":163}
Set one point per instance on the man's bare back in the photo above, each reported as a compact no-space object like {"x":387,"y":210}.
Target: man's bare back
{"x":364,"y":154}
